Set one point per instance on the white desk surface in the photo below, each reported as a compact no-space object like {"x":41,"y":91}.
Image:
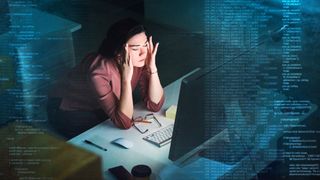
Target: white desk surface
{"x":142,"y":152}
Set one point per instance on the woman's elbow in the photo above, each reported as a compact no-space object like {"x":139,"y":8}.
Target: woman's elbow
{"x":125,"y":126}
{"x":153,"y":107}
{"x":121,"y":121}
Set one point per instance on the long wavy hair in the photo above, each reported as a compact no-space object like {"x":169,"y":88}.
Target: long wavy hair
{"x":118,"y":34}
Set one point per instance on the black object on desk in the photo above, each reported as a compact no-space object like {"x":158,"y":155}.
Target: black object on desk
{"x":121,"y":173}
{"x":95,"y":145}
{"x":141,"y":171}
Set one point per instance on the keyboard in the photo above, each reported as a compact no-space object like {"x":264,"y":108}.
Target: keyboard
{"x":160,"y":137}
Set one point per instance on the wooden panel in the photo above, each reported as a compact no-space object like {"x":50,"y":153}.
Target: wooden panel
{"x":30,"y":153}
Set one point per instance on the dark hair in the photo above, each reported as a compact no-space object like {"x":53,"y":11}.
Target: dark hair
{"x":118,"y":34}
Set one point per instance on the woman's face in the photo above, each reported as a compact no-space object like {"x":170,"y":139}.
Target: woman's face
{"x":137,"y":46}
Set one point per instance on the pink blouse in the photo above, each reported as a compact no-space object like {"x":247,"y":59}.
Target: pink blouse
{"x":96,"y":83}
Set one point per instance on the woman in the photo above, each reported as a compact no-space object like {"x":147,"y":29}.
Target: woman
{"x":101,"y":85}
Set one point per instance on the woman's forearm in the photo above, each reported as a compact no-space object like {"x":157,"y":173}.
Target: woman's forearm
{"x":126,"y":103}
{"x":155,"y":88}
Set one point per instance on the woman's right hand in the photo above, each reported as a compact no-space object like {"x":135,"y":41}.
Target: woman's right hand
{"x":127,"y":66}
{"x":126,"y":103}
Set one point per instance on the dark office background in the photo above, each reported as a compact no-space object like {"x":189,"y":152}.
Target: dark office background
{"x":178,"y":26}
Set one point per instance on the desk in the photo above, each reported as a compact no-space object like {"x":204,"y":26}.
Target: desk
{"x":259,"y":156}
{"x":143,"y":152}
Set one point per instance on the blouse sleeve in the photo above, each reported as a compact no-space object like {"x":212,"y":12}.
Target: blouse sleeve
{"x":144,"y":87}
{"x":108,"y":101}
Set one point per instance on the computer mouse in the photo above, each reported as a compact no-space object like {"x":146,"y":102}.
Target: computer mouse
{"x":123,"y":143}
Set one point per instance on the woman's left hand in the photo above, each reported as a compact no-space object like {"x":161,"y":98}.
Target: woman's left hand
{"x":152,"y":51}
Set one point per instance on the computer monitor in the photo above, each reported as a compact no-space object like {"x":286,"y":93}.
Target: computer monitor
{"x":187,"y":115}
{"x":213,"y":101}
{"x":233,"y":96}
{"x":215,"y":98}
{"x":230,"y":98}
{"x":192,"y":125}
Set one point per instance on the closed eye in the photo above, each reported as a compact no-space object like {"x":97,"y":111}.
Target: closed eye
{"x":135,"y":47}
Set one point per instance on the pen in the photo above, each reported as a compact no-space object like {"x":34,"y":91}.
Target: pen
{"x":93,"y":144}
